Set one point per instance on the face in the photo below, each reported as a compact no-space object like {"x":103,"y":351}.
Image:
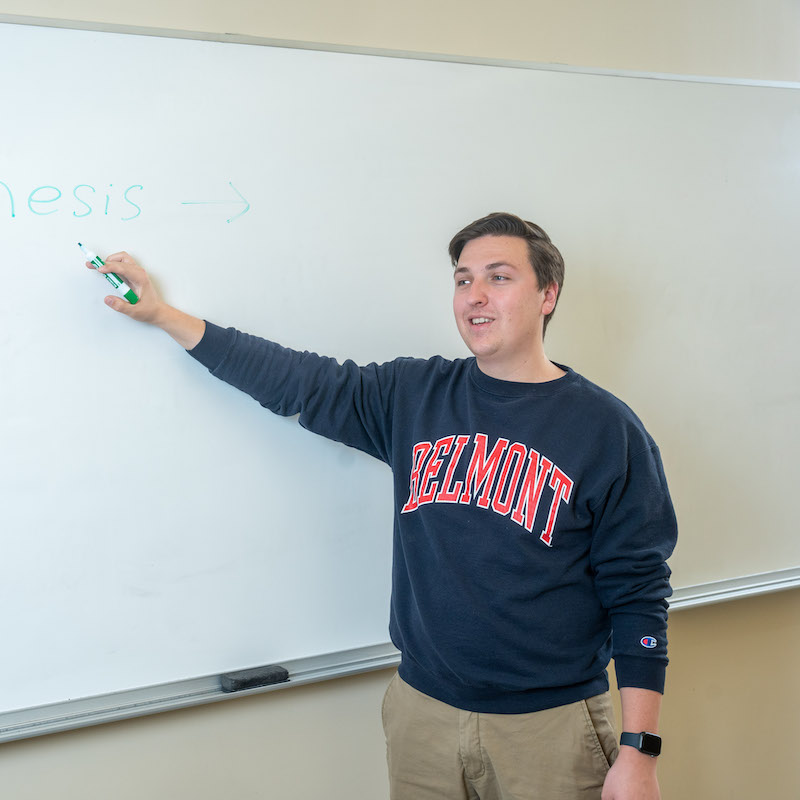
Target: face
{"x":498,"y":306}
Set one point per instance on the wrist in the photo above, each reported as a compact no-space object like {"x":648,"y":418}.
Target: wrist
{"x":630,"y":757}
{"x":169,"y":319}
{"x":645,"y":742}
{"x":162,"y":316}
{"x":185,"y":329}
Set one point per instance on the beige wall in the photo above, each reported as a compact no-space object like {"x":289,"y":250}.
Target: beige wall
{"x":739,"y":38}
{"x":732,"y":709}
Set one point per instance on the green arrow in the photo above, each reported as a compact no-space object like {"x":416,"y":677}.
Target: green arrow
{"x":241,"y":201}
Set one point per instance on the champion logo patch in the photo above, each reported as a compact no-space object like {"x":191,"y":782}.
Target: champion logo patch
{"x":649,"y":642}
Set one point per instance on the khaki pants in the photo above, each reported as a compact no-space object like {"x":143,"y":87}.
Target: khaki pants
{"x":438,"y":752}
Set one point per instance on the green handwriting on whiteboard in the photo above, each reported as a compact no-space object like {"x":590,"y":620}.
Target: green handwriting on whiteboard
{"x":84,"y":200}
{"x":240,"y":202}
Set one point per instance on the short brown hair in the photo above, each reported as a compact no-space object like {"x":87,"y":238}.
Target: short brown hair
{"x":545,"y":258}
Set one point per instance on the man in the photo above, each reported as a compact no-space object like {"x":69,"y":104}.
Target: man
{"x":532,"y":527}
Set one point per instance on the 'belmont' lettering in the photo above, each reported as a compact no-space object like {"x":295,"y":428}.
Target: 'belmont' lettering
{"x":563,"y":491}
{"x":450,"y":493}
{"x":481,"y":470}
{"x":421,"y":452}
{"x":509,"y":476}
{"x":531,"y":494}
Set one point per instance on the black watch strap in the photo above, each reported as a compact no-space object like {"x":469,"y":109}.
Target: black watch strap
{"x":644,"y":742}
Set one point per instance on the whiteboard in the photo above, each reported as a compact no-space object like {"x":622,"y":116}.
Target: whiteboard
{"x":159,"y":526}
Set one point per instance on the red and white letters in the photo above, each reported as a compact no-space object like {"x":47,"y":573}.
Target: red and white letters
{"x":508,"y":479}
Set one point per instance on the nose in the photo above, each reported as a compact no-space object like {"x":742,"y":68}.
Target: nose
{"x":476,"y":296}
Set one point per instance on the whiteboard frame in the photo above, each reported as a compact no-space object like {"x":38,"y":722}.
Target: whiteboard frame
{"x":330,"y":47}
{"x":117,"y":706}
{"x":58,"y":717}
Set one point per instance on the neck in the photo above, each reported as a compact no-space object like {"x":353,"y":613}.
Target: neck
{"x":533,"y":370}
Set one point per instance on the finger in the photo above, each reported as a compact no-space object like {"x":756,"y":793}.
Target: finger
{"x":118,"y":304}
{"x":122,"y":256}
{"x":128,"y":269}
{"x":119,"y":258}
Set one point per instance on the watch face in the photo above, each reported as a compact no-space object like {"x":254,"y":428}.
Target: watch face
{"x":651,"y":744}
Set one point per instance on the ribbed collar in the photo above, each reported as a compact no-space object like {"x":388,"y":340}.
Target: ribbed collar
{"x":501,"y":388}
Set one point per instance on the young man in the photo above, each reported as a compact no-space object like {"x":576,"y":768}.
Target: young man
{"x":532,"y":527}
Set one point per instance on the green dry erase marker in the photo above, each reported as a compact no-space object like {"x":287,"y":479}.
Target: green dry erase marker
{"x":111,"y":277}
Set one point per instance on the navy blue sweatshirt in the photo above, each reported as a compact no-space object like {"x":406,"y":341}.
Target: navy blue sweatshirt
{"x":532,"y":520}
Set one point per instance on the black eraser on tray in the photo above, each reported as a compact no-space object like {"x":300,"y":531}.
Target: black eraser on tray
{"x":253,"y":678}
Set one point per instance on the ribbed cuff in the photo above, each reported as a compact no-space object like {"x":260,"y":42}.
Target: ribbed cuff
{"x":640,"y":673}
{"x":214,"y":345}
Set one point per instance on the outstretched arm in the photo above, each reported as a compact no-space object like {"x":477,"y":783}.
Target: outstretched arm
{"x":185,"y":329}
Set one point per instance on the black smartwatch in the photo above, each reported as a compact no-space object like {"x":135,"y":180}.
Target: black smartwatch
{"x":644,"y":742}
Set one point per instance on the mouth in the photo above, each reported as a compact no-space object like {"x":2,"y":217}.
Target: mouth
{"x":479,"y":321}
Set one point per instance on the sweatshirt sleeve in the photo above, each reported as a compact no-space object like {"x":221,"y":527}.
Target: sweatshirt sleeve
{"x":342,"y":402}
{"x":635,"y":533}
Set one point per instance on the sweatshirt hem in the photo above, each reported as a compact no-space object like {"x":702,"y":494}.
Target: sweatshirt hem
{"x":497,"y":700}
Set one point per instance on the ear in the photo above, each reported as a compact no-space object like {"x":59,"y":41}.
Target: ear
{"x":549,"y":299}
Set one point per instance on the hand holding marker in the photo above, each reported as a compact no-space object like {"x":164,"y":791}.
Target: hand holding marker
{"x":111,"y":277}
{"x":145,"y":304}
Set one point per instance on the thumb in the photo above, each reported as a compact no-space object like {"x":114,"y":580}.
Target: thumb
{"x":118,"y":304}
